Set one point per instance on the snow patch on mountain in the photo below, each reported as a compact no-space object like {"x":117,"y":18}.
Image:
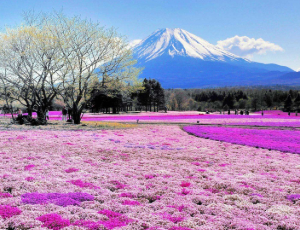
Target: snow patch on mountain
{"x":179,"y":42}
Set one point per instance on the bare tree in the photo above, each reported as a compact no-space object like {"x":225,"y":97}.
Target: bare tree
{"x":90,"y":54}
{"x":6,"y":92}
{"x":54,"y":55}
{"x":30,"y":57}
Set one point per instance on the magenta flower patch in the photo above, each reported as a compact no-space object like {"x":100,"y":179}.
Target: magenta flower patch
{"x":127,"y":194}
{"x":70,"y":170}
{"x":29,"y":178}
{"x":293,"y":197}
{"x":282,"y":140}
{"x":53,"y":221}
{"x":174,"y":219}
{"x":185,"y":184}
{"x":5,"y":195}
{"x":7,"y":211}
{"x":28,"y":167}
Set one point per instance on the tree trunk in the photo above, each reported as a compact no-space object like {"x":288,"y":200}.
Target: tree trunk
{"x":29,"y":109}
{"x":76,"y":117}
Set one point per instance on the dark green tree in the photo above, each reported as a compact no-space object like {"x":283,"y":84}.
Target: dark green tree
{"x":152,"y":96}
{"x":268,"y":100}
{"x":229,"y":100}
{"x":297,"y":103}
{"x":288,"y":103}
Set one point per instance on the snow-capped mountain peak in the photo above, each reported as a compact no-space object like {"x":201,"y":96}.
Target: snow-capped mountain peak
{"x":179,"y":42}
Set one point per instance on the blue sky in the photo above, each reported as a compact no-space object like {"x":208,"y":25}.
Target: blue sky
{"x":271,"y":27}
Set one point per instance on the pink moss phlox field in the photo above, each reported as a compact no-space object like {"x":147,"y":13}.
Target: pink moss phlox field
{"x":282,"y":140}
{"x":197,"y":184}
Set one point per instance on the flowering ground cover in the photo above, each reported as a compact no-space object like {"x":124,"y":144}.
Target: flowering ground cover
{"x":282,"y":140}
{"x":266,"y":124}
{"x":147,"y":177}
{"x":271,"y":118}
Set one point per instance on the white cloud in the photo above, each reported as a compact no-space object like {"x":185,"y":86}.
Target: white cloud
{"x":246,"y":47}
{"x":298,"y":70}
{"x":134,"y":43}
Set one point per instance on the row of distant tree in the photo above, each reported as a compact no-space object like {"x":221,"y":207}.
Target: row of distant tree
{"x":149,"y":97}
{"x":232,"y":98}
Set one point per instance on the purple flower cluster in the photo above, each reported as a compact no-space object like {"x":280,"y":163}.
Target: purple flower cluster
{"x":293,"y":197}
{"x":5,"y":195}
{"x":282,"y":140}
{"x":61,"y":199}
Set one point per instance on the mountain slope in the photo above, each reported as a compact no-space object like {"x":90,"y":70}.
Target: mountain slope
{"x":178,"y":58}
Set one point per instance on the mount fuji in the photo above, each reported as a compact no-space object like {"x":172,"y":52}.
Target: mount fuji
{"x":179,"y":59}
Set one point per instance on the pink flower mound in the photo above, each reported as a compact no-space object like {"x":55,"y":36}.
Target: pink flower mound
{"x":5,"y":195}
{"x":82,"y":184}
{"x":53,"y":221}
{"x":61,"y":199}
{"x":130,"y":202}
{"x":28,"y":167}
{"x":282,"y":140}
{"x":70,"y":170}
{"x":185,"y":184}
{"x":7,"y":211}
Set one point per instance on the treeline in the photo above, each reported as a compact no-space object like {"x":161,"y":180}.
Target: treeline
{"x":221,"y":99}
{"x":149,"y":97}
